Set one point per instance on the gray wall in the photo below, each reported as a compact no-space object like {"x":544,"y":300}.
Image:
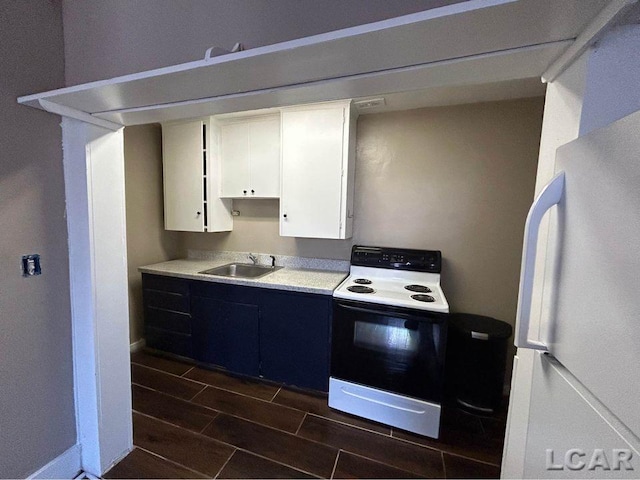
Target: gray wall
{"x":37,"y":421}
{"x":458,"y":179}
{"x":104,"y":39}
{"x":147,"y":240}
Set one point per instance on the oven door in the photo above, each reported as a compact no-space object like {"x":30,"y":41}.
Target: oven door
{"x":394,"y":349}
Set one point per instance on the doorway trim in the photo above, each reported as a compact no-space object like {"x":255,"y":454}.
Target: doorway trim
{"x":93,"y":159}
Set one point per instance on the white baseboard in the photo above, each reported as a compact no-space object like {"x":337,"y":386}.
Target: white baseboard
{"x":66,"y":465}
{"x":139,"y":345}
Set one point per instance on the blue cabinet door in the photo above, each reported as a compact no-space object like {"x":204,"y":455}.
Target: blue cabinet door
{"x":294,"y":338}
{"x":226,"y":334}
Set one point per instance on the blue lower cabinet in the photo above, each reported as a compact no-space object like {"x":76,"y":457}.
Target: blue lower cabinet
{"x":226,"y":334}
{"x":171,"y":342}
{"x":167,"y":318}
{"x":295,"y":338}
{"x":278,"y":335}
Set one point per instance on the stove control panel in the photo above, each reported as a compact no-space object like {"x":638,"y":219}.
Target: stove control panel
{"x":397,"y":258}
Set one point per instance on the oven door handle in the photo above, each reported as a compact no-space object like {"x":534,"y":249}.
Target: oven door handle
{"x":380,"y":402}
{"x":372,"y":311}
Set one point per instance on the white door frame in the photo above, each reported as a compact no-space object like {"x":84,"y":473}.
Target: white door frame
{"x":95,"y":204}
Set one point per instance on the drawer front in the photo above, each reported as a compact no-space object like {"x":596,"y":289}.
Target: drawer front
{"x":166,"y":300}
{"x":165,"y":284}
{"x":172,"y":321}
{"x":176,"y":343}
{"x":227,"y":292}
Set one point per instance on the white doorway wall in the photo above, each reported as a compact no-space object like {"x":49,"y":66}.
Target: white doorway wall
{"x":94,"y":188}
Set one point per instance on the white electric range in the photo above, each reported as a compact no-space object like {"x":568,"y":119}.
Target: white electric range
{"x":400,"y":288}
{"x":389,"y":337}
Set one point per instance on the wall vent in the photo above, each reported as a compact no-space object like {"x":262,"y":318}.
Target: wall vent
{"x":369,"y":104}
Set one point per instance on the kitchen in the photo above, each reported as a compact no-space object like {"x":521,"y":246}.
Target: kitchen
{"x":435,"y":246}
{"x":403,"y":158}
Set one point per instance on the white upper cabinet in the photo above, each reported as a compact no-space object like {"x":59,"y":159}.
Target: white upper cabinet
{"x":249,"y":155}
{"x":317,"y":171}
{"x":191,"y":186}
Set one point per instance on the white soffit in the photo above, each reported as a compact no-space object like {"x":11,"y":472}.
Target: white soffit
{"x":441,"y":83}
{"x":457,"y":95}
{"x":455,"y":31}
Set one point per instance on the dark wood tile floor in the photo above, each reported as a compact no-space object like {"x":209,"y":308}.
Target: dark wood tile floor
{"x":195,"y":423}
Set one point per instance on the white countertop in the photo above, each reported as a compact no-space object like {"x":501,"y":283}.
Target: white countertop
{"x":292,"y":279}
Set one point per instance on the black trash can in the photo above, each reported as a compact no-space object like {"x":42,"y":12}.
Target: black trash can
{"x":476,"y":360}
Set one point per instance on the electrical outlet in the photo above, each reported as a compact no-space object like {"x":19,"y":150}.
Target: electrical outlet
{"x":31,"y":265}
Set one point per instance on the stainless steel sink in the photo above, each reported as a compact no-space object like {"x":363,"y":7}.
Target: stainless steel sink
{"x":241,"y":270}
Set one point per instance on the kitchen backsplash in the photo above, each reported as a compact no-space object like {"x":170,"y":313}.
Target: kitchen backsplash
{"x":265,"y":259}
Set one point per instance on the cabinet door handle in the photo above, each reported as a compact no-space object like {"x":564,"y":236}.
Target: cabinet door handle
{"x":252,"y":192}
{"x":197,"y":213}
{"x":285,"y":215}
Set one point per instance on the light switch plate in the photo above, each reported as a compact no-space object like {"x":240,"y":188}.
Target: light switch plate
{"x":31,"y":265}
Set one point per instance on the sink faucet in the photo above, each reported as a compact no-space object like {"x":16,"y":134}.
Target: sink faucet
{"x":253,"y":258}
{"x":273,"y":261}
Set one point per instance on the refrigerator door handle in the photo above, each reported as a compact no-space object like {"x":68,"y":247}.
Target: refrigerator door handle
{"x":550,"y":195}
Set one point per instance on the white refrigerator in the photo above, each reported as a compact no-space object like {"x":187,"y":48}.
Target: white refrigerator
{"x":582,"y":402}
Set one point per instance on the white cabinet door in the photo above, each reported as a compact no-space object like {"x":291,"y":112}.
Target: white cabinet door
{"x":192,"y":200}
{"x":183,"y":176}
{"x":234,"y":159}
{"x":264,"y":154}
{"x":250,"y":157}
{"x":313,"y":150}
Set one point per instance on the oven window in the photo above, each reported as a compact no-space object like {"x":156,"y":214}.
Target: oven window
{"x":383,"y":338}
{"x":396,"y":350}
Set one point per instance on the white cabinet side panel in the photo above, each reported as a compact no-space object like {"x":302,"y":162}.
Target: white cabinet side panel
{"x":570,"y":434}
{"x":182,"y":149}
{"x":349,"y":177}
{"x":312,"y":150}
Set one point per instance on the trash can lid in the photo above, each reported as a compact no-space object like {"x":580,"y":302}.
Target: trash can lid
{"x":468,"y":323}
